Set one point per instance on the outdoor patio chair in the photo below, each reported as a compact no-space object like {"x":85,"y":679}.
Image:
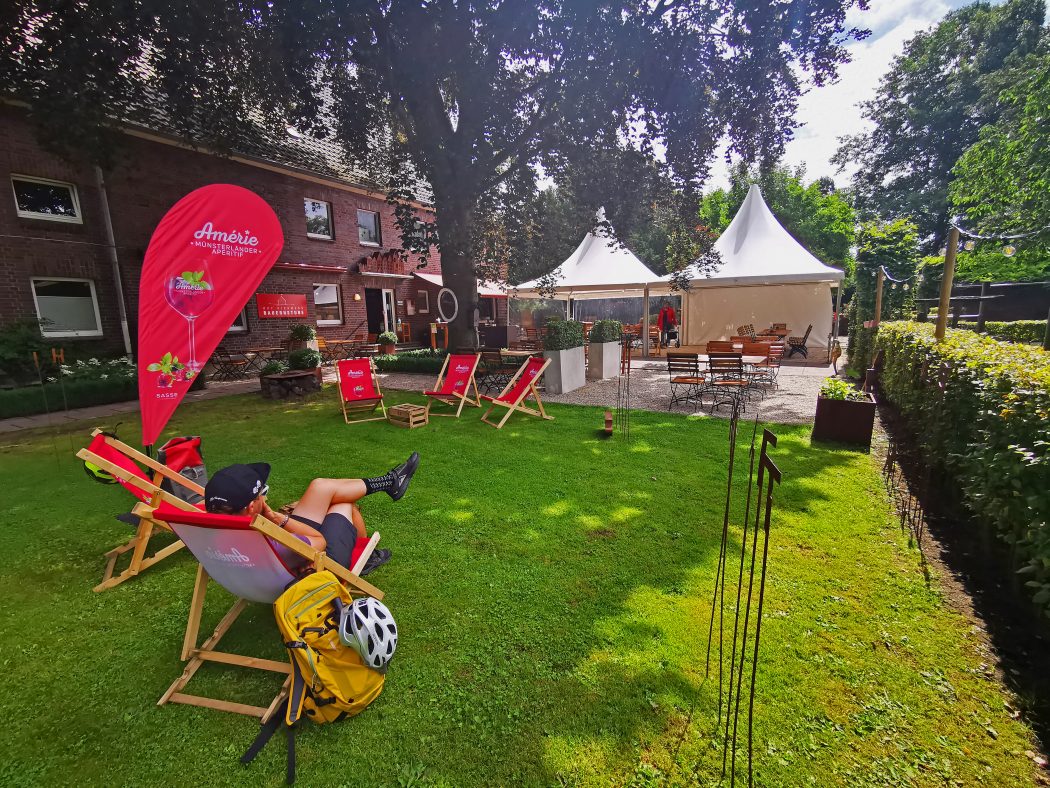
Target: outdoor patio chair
{"x":517,"y":389}
{"x":798,"y":344}
{"x":726,"y":379}
{"x":455,"y":380}
{"x":359,"y":391}
{"x":767,"y":371}
{"x":746,"y":330}
{"x":227,"y":366}
{"x":328,"y":354}
{"x":254,"y":560}
{"x":683,"y":373}
{"x":720,"y":346}
{"x":127,"y":465}
{"x":494,"y":372}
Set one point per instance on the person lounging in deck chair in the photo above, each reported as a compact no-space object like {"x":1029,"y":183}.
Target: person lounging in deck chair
{"x":326,"y":517}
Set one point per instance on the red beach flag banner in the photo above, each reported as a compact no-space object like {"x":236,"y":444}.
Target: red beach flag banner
{"x":207,"y":256}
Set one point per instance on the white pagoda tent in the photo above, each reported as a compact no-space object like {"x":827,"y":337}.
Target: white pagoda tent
{"x":601,"y":267}
{"x":765,"y":276}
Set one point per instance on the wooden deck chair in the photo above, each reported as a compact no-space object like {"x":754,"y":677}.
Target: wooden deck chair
{"x":359,"y":390}
{"x":250,"y":558}
{"x":455,"y":380}
{"x":127,"y":465}
{"x":515,"y":392}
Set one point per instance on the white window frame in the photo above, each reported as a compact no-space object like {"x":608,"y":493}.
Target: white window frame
{"x":234,"y":328}
{"x":338,"y":301}
{"x":423,"y":302}
{"x":94,"y":302}
{"x":379,"y":229}
{"x":47,"y":217}
{"x":331,"y":220}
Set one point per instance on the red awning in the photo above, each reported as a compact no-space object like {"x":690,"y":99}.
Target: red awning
{"x":486,"y":289}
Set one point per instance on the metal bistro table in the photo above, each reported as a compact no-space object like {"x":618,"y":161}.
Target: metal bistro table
{"x":258,"y":357}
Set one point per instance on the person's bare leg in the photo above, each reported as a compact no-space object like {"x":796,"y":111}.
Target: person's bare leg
{"x":351,"y":513}
{"x":322,"y":494}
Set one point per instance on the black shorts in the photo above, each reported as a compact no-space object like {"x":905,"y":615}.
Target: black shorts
{"x":339,"y":534}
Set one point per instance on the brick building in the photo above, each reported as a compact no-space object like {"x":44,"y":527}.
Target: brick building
{"x":339,"y":235}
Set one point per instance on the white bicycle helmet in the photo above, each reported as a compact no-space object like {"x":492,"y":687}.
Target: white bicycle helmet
{"x":368,"y":627}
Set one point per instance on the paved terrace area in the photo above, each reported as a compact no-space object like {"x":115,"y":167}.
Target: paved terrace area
{"x":792,"y":402}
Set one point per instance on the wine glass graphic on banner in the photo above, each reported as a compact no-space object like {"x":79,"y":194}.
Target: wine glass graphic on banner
{"x":190,"y":293}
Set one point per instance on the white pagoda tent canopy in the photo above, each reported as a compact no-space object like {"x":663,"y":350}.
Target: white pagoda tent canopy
{"x":765,"y":276}
{"x":601,"y":267}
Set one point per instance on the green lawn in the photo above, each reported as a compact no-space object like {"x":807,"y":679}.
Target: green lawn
{"x":552,"y":591}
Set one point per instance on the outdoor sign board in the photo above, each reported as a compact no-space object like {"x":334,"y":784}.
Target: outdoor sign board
{"x":207,"y":256}
{"x":277,"y":305}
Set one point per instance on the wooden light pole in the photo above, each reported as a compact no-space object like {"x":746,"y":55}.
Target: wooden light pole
{"x":946,"y":283}
{"x":880,"y":279}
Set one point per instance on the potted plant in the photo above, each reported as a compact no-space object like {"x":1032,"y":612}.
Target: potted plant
{"x":563,"y":345}
{"x":603,"y":356}
{"x":387,"y":342}
{"x":844,"y":414}
{"x":302,"y":336}
{"x":306,"y":359}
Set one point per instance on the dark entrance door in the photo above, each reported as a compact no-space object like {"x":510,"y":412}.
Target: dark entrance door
{"x":374,"y":309}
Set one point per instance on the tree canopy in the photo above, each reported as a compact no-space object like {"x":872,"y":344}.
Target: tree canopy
{"x":818,"y":216}
{"x":471,"y":97}
{"x":930,"y":108}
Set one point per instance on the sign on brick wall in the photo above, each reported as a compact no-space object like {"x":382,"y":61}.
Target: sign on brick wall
{"x":273,"y":305}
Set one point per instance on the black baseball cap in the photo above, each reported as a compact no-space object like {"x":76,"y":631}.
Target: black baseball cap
{"x":235,"y":486}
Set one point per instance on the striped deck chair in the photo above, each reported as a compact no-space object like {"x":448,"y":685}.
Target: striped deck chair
{"x":359,"y":391}
{"x":455,"y":380}
{"x":255,"y":561}
{"x":129,"y":467}
{"x":520,"y":386}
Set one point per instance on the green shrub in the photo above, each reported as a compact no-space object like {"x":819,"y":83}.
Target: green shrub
{"x":981,"y":408}
{"x":606,"y":331}
{"x":563,"y":334}
{"x":861,"y":345}
{"x":1030,"y":332}
{"x":30,"y":400}
{"x":387,"y":338}
{"x":304,"y":358}
{"x":301,"y":332}
{"x":19,"y":339}
{"x":273,"y":367}
{"x":837,"y":388}
{"x":422,"y":360}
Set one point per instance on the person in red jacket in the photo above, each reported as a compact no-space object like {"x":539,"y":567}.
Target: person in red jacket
{"x":667,"y":322}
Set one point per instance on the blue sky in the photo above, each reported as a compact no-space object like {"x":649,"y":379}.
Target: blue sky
{"x":831,"y":111}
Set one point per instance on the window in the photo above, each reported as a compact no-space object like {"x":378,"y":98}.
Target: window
{"x":68,"y":307}
{"x":368,"y":228}
{"x":53,"y":201}
{"x":486,"y":308}
{"x":423,"y":302}
{"x":319,"y":219}
{"x":328,"y":306}
{"x":240,"y":323}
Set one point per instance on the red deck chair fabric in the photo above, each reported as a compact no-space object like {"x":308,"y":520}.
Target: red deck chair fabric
{"x":359,"y":390}
{"x":249,"y":557}
{"x":454,"y":384}
{"x":522,"y":385}
{"x":99,"y":447}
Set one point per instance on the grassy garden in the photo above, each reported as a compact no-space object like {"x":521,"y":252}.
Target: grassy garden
{"x":552,"y":591}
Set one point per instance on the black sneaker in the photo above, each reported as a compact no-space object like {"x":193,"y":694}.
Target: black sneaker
{"x":403,"y":475}
{"x":377,"y":559}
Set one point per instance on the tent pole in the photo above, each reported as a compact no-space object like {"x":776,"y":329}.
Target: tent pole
{"x":645,"y":323}
{"x":838,"y":312}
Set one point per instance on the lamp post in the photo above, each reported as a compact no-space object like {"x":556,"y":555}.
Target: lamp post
{"x":946,"y":283}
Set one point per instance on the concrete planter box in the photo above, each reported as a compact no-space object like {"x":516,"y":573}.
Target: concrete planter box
{"x":566,"y":371}
{"x":844,"y":421}
{"x":603,"y":360}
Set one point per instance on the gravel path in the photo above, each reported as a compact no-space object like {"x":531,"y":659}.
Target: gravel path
{"x":793,"y":402}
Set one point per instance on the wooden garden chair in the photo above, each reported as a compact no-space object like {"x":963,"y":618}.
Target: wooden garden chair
{"x":359,"y":391}
{"x":454,"y":383}
{"x":684,"y":377}
{"x":513,"y":396}
{"x":248,"y":556}
{"x":127,"y":465}
{"x":726,"y":379}
{"x":798,"y":344}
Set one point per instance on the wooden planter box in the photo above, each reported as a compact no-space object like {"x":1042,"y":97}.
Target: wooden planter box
{"x":844,"y":421}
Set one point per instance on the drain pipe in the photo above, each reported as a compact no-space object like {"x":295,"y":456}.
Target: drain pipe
{"x":111,"y":247}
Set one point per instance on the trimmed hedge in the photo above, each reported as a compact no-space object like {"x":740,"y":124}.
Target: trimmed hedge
{"x":606,"y":331}
{"x":563,"y":334}
{"x":29,"y":400}
{"x":986,"y":431}
{"x":422,"y":360}
{"x":1028,"y":332}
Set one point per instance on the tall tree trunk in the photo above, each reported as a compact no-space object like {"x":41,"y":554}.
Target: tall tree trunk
{"x":457,"y":270}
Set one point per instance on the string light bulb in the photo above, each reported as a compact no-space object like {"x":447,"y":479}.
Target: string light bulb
{"x":969,"y":245}
{"x":1009,"y":250}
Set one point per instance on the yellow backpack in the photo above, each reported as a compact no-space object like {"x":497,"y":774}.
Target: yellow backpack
{"x":329,"y":680}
